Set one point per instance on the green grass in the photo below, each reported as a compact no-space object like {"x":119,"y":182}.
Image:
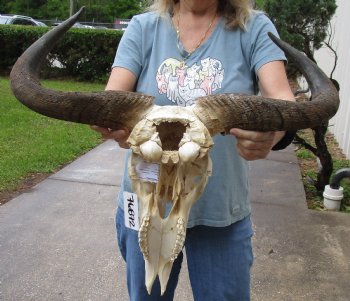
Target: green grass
{"x":32,"y":143}
{"x":305,"y":154}
{"x":345,"y":183}
{"x":314,"y":197}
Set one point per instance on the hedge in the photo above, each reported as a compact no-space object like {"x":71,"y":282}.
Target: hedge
{"x":85,"y":54}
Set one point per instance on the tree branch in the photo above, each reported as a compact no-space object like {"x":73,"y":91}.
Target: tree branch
{"x":302,"y":142}
{"x":329,"y":45}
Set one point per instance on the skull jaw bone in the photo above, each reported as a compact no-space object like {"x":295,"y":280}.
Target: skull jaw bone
{"x":161,"y":238}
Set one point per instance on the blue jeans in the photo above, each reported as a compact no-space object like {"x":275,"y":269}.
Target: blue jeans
{"x":218,"y":259}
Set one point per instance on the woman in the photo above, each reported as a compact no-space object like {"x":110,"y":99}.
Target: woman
{"x":178,"y":51}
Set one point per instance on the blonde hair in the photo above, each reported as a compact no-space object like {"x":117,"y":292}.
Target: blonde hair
{"x":236,"y":12}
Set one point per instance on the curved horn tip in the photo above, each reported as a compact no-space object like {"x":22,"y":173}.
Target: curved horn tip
{"x":80,"y":11}
{"x":70,"y":21}
{"x":77,"y":14}
{"x":272,"y":36}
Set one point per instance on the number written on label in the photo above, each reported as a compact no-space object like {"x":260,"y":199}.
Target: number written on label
{"x":131,"y":210}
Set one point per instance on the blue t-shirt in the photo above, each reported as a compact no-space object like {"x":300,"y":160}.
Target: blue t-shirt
{"x":227,"y":62}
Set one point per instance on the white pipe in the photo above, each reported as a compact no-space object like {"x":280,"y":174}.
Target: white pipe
{"x":332,"y":198}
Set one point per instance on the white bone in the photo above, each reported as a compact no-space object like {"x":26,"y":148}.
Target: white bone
{"x":177,"y":140}
{"x":151,"y":150}
{"x":189,"y":151}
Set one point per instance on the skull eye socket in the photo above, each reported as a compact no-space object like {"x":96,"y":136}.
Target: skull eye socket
{"x":170,"y":134}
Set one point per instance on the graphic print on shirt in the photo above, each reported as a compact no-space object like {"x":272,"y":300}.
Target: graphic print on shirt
{"x":182,"y":84}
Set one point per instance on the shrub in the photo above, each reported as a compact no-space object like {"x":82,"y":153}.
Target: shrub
{"x":301,"y":23}
{"x":85,"y":54}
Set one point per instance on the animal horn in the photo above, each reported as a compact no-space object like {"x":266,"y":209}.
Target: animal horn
{"x":222,"y":112}
{"x":112,"y":109}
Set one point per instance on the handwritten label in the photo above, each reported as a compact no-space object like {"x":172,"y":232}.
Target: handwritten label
{"x":131,"y":210}
{"x":148,"y":172}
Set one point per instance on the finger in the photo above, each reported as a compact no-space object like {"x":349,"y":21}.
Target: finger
{"x":251,"y":155}
{"x":252,"y":135}
{"x":255,"y":145}
{"x":101,"y":130}
{"x":124,"y":145}
{"x":120,"y":135}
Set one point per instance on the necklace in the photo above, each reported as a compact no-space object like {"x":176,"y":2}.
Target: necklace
{"x":186,"y":54}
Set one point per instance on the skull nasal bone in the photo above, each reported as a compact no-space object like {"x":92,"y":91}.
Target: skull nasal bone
{"x":170,"y":134}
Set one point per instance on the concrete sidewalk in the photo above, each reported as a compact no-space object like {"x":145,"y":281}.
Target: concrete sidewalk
{"x":300,"y":254}
{"x":57,"y":241}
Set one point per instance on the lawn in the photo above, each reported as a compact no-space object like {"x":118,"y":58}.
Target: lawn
{"x":31,"y":143}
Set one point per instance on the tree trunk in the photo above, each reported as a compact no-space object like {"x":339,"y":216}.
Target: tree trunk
{"x":71,"y":8}
{"x":323,"y":176}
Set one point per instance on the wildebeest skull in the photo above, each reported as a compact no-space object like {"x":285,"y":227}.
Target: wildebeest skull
{"x":176,"y":139}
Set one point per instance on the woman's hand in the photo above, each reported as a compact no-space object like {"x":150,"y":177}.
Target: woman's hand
{"x":273,"y":83}
{"x":118,"y":135}
{"x":253,"y":145}
{"x":120,"y":79}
